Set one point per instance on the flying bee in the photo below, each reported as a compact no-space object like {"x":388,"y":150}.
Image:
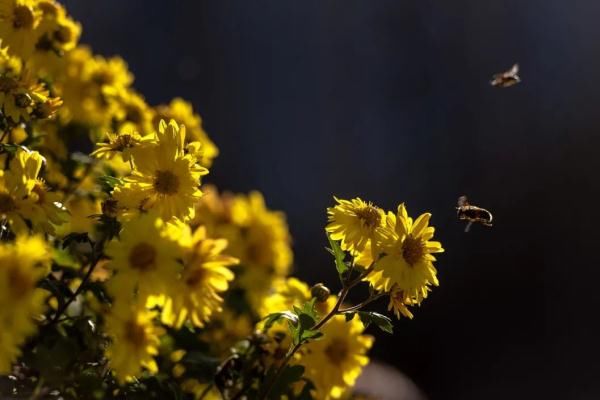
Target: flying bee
{"x":507,"y":78}
{"x":467,"y":212}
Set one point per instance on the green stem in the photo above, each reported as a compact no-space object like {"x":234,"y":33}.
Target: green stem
{"x":346,"y":286}
{"x":86,"y":278}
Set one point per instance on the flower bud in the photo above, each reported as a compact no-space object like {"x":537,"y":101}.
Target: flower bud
{"x":320,"y":292}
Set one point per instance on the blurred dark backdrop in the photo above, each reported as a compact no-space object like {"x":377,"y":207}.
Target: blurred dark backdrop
{"x":390,"y":101}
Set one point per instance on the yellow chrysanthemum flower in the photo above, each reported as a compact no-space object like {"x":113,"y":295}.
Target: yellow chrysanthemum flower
{"x":226,"y":329}
{"x":399,"y":302}
{"x":131,"y":108}
{"x":205,"y":275}
{"x":56,"y":33}
{"x":182,"y":112}
{"x":334,"y":362}
{"x":22,"y":264}
{"x":165,"y":179}
{"x":21,"y":196}
{"x":285,"y":293}
{"x":135,"y":341}
{"x":144,"y":258}
{"x":83,"y":85}
{"x":408,"y":261}
{"x":356,"y":224}
{"x":264,"y":242}
{"x":18,"y":22}
{"x":119,"y":143}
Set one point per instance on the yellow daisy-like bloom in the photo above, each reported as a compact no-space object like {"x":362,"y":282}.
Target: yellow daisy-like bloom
{"x":205,"y":275}
{"x":286,"y":293}
{"x":165,"y":179}
{"x":356,"y":224}
{"x":408,"y":260}
{"x":264,"y":242}
{"x":22,"y":198}
{"x":334,"y":362}
{"x":399,"y":302}
{"x":22,"y":264}
{"x":119,"y":143}
{"x":182,"y":112}
{"x":83,"y":83}
{"x":56,"y":33}
{"x":225,"y":330}
{"x":135,"y":341}
{"x":145,"y":259}
{"x":18,"y":21}
{"x":131,"y":109}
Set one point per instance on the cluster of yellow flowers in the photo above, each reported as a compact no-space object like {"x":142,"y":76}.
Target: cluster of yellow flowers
{"x":123,"y":261}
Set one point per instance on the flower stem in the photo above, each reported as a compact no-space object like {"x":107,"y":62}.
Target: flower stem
{"x":346,"y":286}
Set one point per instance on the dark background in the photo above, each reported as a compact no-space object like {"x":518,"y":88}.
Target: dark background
{"x":390,"y":101}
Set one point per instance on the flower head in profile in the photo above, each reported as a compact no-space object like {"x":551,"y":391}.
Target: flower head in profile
{"x":356,"y":223}
{"x":144,"y":258}
{"x":164,"y":179}
{"x":119,"y":143}
{"x":204,"y":277}
{"x":134,"y":341}
{"x":22,"y":264}
{"x":334,"y":362}
{"x":407,"y":263}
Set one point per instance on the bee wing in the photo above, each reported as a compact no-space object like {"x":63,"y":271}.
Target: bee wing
{"x":468,"y":227}
{"x":462,"y":201}
{"x":513,"y":71}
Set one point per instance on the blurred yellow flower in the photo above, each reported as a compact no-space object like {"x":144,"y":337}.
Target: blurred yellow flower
{"x":334,"y":362}
{"x":22,"y":264}
{"x":135,"y":341}
{"x":18,"y":21}
{"x":204,"y":276}
{"x":182,"y":112}
{"x":144,"y":258}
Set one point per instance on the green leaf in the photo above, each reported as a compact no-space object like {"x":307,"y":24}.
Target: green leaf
{"x":278,"y":316}
{"x":382,"y":322}
{"x":63,"y":258}
{"x":339,"y":255}
{"x":311,"y":334}
{"x":349,"y":316}
{"x":108,"y":182}
{"x":306,"y":391}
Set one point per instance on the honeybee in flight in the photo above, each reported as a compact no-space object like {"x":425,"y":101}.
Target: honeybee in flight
{"x":507,"y":78}
{"x":467,"y":212}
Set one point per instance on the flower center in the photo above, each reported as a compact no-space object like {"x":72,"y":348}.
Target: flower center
{"x":142,"y":257}
{"x":63,"y":34}
{"x":195,"y":277}
{"x":22,"y":18}
{"x":166,"y":182}
{"x":135,"y":333}
{"x":337,"y":351}
{"x":413,"y":250}
{"x":7,"y":204}
{"x":124,"y":141}
{"x":369,"y":216}
{"x":41,"y":193}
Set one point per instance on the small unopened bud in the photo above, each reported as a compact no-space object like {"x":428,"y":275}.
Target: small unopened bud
{"x":320,"y":292}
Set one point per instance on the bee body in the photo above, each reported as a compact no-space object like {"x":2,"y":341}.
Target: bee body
{"x":507,"y":78}
{"x":470,"y":213}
